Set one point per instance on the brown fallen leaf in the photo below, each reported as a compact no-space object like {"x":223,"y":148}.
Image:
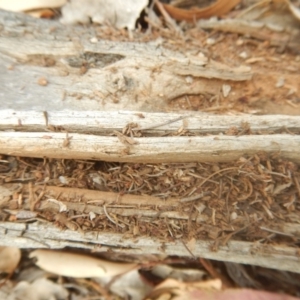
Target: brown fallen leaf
{"x":44,"y":13}
{"x":9,"y":259}
{"x":219,"y":8}
{"x":181,"y":289}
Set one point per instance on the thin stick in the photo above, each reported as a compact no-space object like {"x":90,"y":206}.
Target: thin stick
{"x":187,"y":248}
{"x":160,"y":124}
{"x":297,"y":185}
{"x":31,"y":196}
{"x":247,"y":10}
{"x":230,"y":235}
{"x":276,"y":173}
{"x":212,"y":175}
{"x":275,"y":231}
{"x":45,"y":114}
{"x":214,"y":273}
{"x":97,"y":287}
{"x":109,"y":218}
{"x":167,"y":17}
{"x":195,"y":197}
{"x":213,"y":108}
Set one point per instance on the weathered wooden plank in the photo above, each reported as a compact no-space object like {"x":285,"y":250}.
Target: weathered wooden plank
{"x":147,"y":149}
{"x":82,"y":72}
{"x":104,"y":122}
{"x":43,"y":235}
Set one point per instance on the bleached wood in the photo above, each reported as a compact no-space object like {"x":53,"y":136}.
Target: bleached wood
{"x":104,"y":122}
{"x":259,"y":29}
{"x":109,"y":198}
{"x":147,"y":149}
{"x":120,"y":75}
{"x":44,"y":235}
{"x":124,"y":205}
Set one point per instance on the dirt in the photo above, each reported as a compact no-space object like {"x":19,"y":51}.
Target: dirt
{"x":274,"y":88}
{"x":264,"y":94}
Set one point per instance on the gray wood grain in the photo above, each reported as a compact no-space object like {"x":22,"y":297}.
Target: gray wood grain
{"x":42,"y":235}
{"x":148,"y":149}
{"x":139,"y":76}
{"x":151,"y":123}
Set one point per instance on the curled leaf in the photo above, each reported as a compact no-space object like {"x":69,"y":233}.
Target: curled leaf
{"x":77,"y":265}
{"x":219,"y":8}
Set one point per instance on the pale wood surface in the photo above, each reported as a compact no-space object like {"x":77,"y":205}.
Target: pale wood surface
{"x":43,"y":235}
{"x":39,"y":233}
{"x":140,"y":76}
{"x":90,"y":136}
{"x":154,"y":123}
{"x":147,"y":149}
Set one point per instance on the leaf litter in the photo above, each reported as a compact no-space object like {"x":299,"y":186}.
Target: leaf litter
{"x":253,"y":199}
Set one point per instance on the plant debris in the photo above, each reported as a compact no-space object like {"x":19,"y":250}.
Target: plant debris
{"x":251,"y":199}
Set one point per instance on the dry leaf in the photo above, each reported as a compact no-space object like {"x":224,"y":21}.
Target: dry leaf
{"x":219,"y":8}
{"x":183,"y":290}
{"x":117,"y":12}
{"x":9,"y":259}
{"x":181,"y":274}
{"x":274,"y":15}
{"x":19,"y":5}
{"x":77,"y":265}
{"x":44,"y":13}
{"x":266,"y":20}
{"x":62,"y":206}
{"x":40,"y":289}
{"x":128,"y":286}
